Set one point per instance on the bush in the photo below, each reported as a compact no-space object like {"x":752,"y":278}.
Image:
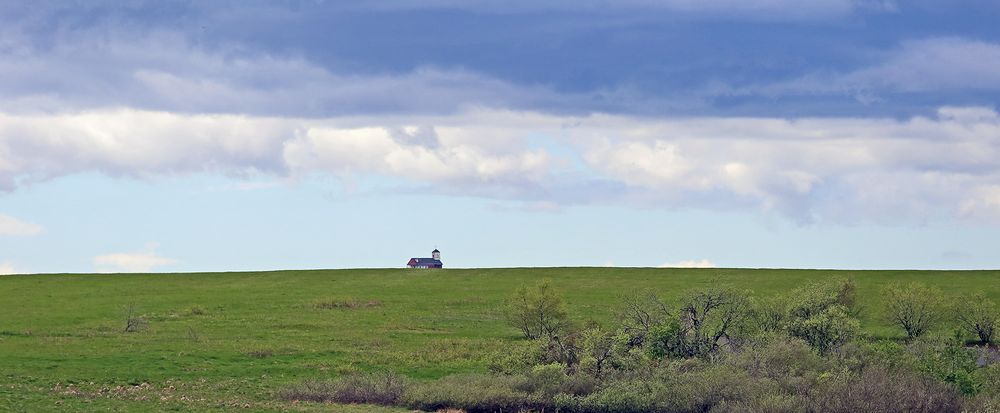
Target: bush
{"x":877,"y":389}
{"x":914,"y":307}
{"x":636,"y":396}
{"x":640,"y":314}
{"x":820,"y":314}
{"x":978,"y":316}
{"x":715,"y":386}
{"x":790,"y":362}
{"x":474,"y":393}
{"x":537,"y":312}
{"x":371,"y":388}
{"x":883,"y":353}
{"x":767,"y":315}
{"x":516,"y":357}
{"x":600,"y":351}
{"x":667,"y":341}
{"x":989,"y":380}
{"x":827,"y":330}
{"x":949,"y":362}
{"x":133,"y":322}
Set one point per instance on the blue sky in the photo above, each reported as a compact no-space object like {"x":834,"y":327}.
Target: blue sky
{"x":213,"y":136}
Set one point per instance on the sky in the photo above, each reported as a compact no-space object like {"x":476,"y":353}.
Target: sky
{"x":180,"y":136}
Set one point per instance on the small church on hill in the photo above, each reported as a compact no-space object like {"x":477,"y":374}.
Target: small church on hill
{"x":433,"y":262}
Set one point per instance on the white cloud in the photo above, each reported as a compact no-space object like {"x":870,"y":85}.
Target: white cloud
{"x":828,"y":168}
{"x":140,"y":261}
{"x":376,"y":150}
{"x":983,"y":201}
{"x":834,"y":169}
{"x":7,"y":268}
{"x":703,"y":263}
{"x":146,"y":143}
{"x":13,"y":226}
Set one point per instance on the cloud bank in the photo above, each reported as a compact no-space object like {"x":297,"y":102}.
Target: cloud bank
{"x":141,"y":261}
{"x":703,"y":263}
{"x":808,"y":169}
{"x":7,"y":268}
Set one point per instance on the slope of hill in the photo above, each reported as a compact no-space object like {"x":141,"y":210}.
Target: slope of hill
{"x":212,"y":340}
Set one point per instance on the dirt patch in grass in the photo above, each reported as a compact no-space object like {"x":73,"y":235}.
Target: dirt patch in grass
{"x":347,"y":304}
{"x":260,"y":354}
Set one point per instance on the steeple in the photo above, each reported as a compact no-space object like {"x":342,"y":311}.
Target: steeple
{"x":436,"y":254}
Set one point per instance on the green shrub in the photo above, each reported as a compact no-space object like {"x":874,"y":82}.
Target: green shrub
{"x":825,"y":331}
{"x":884,"y":353}
{"x":667,"y":341}
{"x":913,"y":307}
{"x":516,"y":357}
{"x":601,"y":350}
{"x":538,"y":312}
{"x":717,"y":386}
{"x":473,"y":393}
{"x":618,"y":397}
{"x":948,"y":361}
{"x":978,"y":315}
{"x":546,"y":380}
{"x":821,"y":314}
{"x":989,"y":380}
{"x":766,"y":316}
{"x":790,"y":362}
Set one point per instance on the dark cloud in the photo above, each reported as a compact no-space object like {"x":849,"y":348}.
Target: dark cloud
{"x":335,"y":58}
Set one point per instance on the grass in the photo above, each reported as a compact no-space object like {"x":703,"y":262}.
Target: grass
{"x":216,"y":341}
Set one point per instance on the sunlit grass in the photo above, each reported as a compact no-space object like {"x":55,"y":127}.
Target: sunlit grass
{"x":222,"y":340}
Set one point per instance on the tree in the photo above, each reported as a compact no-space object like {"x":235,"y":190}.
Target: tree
{"x":639,"y":314}
{"x":710,"y":315}
{"x":978,"y":315}
{"x":826,"y":331}
{"x":538,"y":312}
{"x":820,"y":314}
{"x":914,"y":307}
{"x":705,"y":320}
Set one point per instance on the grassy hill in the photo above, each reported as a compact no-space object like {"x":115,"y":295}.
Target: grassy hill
{"x":220,"y":340}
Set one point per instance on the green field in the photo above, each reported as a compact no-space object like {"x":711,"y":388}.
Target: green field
{"x":217,"y":341}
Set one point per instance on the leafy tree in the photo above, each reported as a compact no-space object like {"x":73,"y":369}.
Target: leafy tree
{"x":821,"y":314}
{"x":767,"y":315}
{"x":538,"y":312}
{"x":913,"y":307}
{"x":978,"y":315}
{"x":705,"y":321}
{"x":827,"y":330}
{"x":639,"y":314}
{"x":600,"y":349}
{"x":667,"y":340}
{"x":710,"y":315}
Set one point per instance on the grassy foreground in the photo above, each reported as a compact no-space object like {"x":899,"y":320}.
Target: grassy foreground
{"x":220,"y":341}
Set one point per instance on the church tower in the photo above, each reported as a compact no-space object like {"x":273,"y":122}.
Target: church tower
{"x":436,"y":254}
